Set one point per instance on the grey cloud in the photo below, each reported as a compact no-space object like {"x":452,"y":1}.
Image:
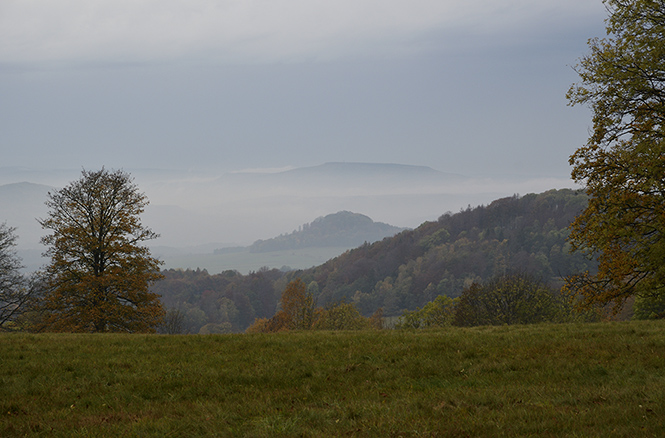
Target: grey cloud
{"x":252,"y":31}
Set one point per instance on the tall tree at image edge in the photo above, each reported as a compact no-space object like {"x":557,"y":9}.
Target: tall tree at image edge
{"x":622,"y":164}
{"x":99,"y":275}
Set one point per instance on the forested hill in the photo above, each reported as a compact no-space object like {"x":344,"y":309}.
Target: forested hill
{"x":342,"y":229}
{"x":526,"y":234}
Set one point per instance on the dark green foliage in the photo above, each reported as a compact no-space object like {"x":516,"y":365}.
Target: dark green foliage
{"x":510,"y":299}
{"x":229,"y":298}
{"x":649,"y":307}
{"x":341,"y":316}
{"x":437,"y":313}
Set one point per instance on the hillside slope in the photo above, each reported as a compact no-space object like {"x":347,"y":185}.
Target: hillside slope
{"x":511,"y":234}
{"x":526,"y":234}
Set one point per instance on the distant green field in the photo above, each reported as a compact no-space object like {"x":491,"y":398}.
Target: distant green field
{"x":244,"y":261}
{"x":576,"y":380}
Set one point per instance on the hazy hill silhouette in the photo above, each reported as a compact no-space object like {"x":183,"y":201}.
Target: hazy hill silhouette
{"x":342,"y":229}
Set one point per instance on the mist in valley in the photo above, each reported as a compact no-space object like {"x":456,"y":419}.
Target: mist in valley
{"x":241,"y":122}
{"x":197,"y":212}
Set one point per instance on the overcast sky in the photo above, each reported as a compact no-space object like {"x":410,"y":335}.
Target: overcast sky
{"x":465,"y":86}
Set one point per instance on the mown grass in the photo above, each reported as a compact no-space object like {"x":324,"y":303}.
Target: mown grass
{"x":545,"y":380}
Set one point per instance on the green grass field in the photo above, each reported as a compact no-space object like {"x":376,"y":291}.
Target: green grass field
{"x":578,"y":380}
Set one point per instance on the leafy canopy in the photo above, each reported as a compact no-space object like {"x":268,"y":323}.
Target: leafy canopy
{"x":299,"y":313}
{"x":437,"y":313}
{"x":298,"y":305}
{"x":623,"y":162}
{"x":515,"y":298}
{"x":99,"y":274}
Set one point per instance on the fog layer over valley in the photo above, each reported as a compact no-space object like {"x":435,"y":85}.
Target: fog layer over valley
{"x":197,"y":213}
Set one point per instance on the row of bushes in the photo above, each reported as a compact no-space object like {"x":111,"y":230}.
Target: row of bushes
{"x":506,"y":299}
{"x":299,"y":313}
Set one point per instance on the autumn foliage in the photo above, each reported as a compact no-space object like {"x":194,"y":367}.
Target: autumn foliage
{"x":623,"y":163}
{"x":99,"y":274}
{"x":299,"y":313}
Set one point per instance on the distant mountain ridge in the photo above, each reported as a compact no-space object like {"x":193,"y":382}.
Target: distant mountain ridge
{"x":371,"y":169}
{"x":341,"y":229}
{"x":350,"y":175}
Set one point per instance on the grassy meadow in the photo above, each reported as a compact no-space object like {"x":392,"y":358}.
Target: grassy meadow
{"x":575,"y":380}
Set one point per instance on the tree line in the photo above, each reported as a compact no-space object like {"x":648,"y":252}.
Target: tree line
{"x":512,"y":298}
{"x":406,"y":275}
{"x":101,"y":277}
{"x":403,"y":273}
{"x":94,"y":266}
{"x":443,"y":257}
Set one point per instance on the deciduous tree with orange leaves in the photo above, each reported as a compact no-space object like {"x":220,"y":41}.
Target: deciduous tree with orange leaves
{"x":99,"y":275}
{"x":297,"y":311}
{"x":623,"y":163}
{"x":298,"y":305}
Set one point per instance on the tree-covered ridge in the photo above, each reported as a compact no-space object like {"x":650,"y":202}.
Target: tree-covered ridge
{"x":342,"y":229}
{"x":526,"y":234}
{"x":516,"y":234}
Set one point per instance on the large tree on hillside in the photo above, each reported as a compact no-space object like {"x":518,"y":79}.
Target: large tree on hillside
{"x":623,"y":163}
{"x":99,"y":274}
